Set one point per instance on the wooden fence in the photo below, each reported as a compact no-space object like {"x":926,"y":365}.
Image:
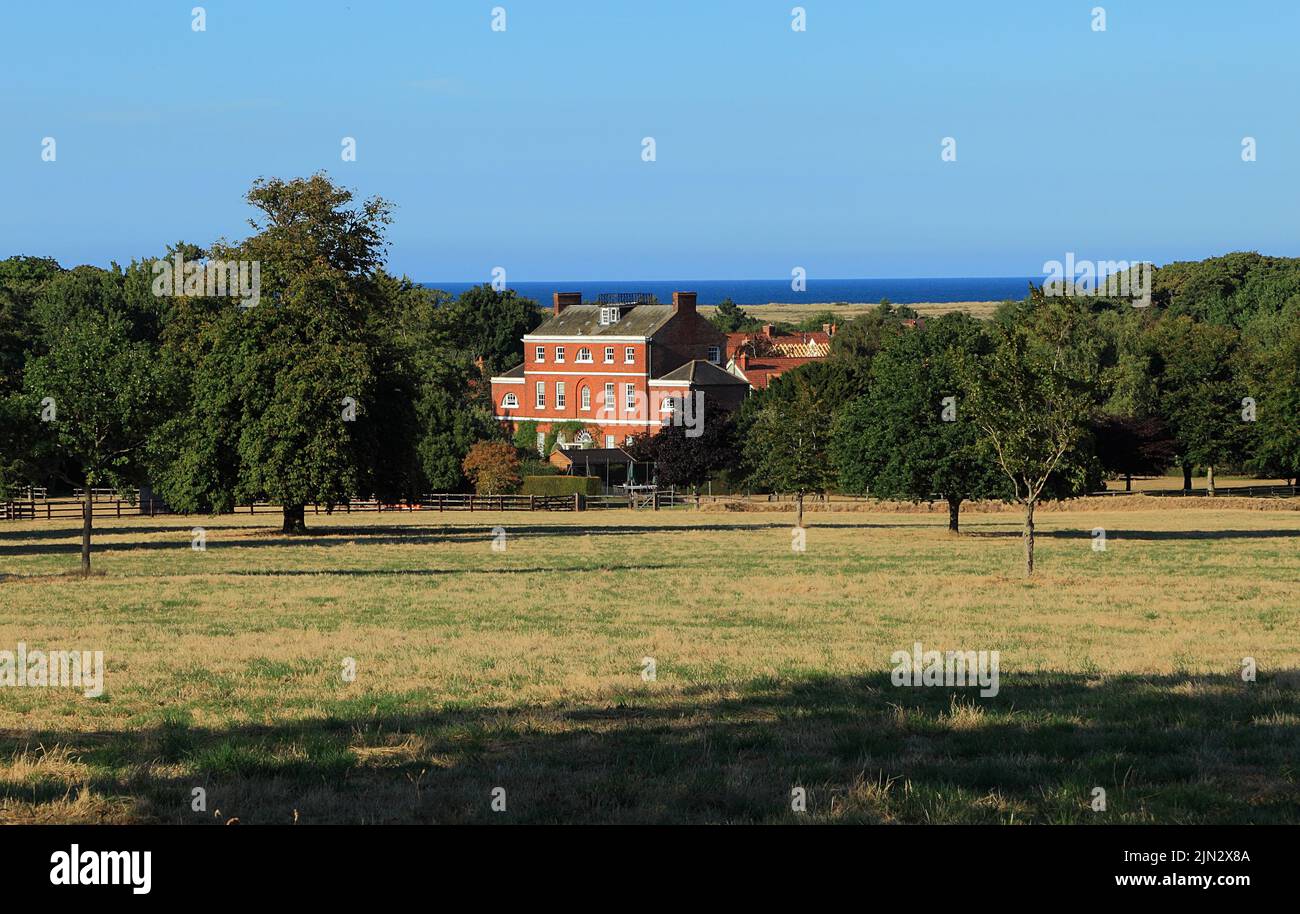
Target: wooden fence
{"x":72,"y":508}
{"x":103,"y":506}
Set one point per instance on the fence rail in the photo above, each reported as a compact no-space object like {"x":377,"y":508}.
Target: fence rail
{"x":102,"y":506}
{"x":72,"y":508}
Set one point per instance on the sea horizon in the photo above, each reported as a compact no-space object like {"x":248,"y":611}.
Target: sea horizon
{"x":898,"y":290}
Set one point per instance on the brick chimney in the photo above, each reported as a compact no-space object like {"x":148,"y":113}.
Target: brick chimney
{"x":564,"y":299}
{"x":767,"y":330}
{"x":744,"y":360}
{"x":683,"y":301}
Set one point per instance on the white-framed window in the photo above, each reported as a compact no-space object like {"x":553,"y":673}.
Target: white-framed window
{"x":585,"y":398}
{"x":609,"y":355}
{"x":559,"y":395}
{"x":629,"y":396}
{"x":540,"y":354}
{"x":559,"y":354}
{"x":668,"y":405}
{"x":541,"y":395}
{"x":609,"y":316}
{"x":715,"y":354}
{"x":541,"y":443}
{"x":609,"y":397}
{"x":609,"y":441}
{"x":584,"y":354}
{"x":629,"y":354}
{"x":510,"y":401}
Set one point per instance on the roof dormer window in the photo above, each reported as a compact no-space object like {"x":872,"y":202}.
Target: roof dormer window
{"x":609,"y":315}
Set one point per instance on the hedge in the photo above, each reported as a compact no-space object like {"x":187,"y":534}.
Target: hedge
{"x":561,"y":485}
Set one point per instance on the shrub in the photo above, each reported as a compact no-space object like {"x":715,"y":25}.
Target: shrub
{"x":535,"y":466}
{"x":493,"y":467}
{"x":526,"y":436}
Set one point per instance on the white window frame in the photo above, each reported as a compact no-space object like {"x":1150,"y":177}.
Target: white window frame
{"x":629,"y":397}
{"x":584,"y":355}
{"x":629,"y":355}
{"x":585,"y":398}
{"x":609,"y":355}
{"x":667,"y":405}
{"x":611,"y":397}
{"x":559,"y":355}
{"x":609,"y":441}
{"x":715,"y":354}
{"x":510,"y":401}
{"x":541,"y":395}
{"x":559,"y":395}
{"x":540,"y":355}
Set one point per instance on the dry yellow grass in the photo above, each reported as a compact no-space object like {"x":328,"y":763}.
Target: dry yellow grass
{"x":522,"y":668}
{"x":793,"y":314}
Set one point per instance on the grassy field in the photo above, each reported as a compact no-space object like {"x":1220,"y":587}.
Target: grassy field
{"x":522,"y":669}
{"x":845,"y":311}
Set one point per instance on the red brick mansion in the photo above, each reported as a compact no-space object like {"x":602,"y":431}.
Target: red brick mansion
{"x":620,"y":366}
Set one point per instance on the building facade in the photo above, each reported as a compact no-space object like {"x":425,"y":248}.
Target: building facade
{"x":620,"y":367}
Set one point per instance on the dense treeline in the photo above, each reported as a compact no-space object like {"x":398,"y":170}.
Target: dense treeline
{"x":344,"y":381}
{"x":1056,"y":393}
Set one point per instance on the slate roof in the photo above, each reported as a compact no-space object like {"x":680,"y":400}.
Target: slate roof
{"x":584,"y":320}
{"x":596,"y":455}
{"x":700,"y":372}
{"x":516,"y":372}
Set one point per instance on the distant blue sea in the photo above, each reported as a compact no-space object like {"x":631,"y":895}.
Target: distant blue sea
{"x":763,"y":291}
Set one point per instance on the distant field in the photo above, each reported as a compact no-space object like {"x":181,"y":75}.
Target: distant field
{"x":1151,"y":483}
{"x":795,"y":313}
{"x":522,"y":669}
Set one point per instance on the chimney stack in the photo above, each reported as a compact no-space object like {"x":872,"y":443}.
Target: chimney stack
{"x":744,"y":360}
{"x":683,"y":301}
{"x":564,"y":299}
{"x":767,"y":330}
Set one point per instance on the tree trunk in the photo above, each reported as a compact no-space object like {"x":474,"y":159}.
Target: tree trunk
{"x":294,"y":519}
{"x":1209,"y":480}
{"x":1128,"y":482}
{"x":954,"y":506}
{"x":1029,"y":538}
{"x":798,"y":510}
{"x":1187,"y":477}
{"x":87,"y":513}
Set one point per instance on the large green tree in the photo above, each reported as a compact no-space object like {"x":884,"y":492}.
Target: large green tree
{"x":1277,"y":394}
{"x":1199,"y":392}
{"x":299,"y":398}
{"x":910,"y":437}
{"x":94,"y":384}
{"x":787,"y":447}
{"x":1031,"y":399}
{"x":487,"y":325}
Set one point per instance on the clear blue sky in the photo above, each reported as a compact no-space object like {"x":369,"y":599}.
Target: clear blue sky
{"x":775,"y":149}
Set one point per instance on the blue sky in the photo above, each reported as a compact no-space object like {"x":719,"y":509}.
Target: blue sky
{"x":775,"y":149}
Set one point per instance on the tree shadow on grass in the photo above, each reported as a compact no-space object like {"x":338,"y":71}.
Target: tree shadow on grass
{"x":219,"y":537}
{"x":1177,"y":748}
